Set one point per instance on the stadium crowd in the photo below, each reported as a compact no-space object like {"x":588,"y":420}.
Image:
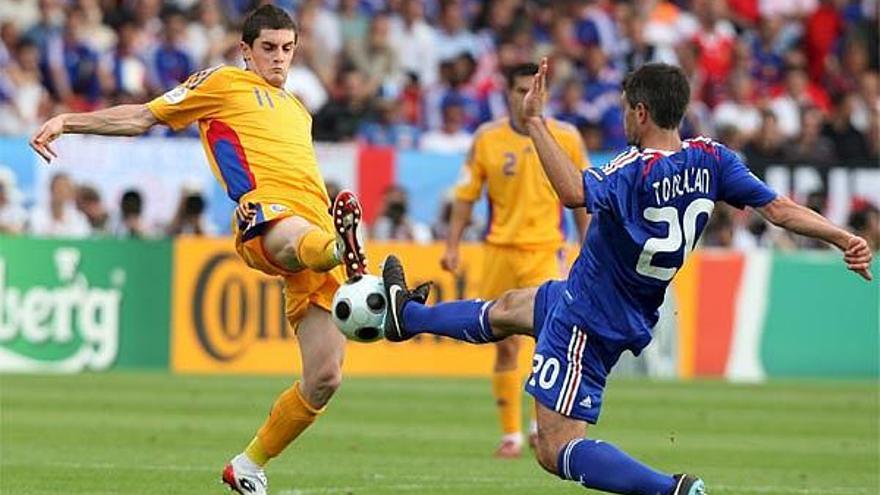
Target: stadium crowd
{"x":780,"y":81}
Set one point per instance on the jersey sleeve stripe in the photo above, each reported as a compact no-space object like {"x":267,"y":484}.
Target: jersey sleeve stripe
{"x":230,"y":158}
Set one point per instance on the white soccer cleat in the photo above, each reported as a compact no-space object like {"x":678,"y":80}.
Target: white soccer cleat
{"x":244,"y":477}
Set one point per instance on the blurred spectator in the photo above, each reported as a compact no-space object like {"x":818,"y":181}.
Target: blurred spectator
{"x":843,"y":76}
{"x":849,"y":144}
{"x":795,"y":94}
{"x":22,"y":13}
{"x":49,"y":25}
{"x":811,"y":146}
{"x":324,"y":25}
{"x":27,"y":101}
{"x":720,"y":229}
{"x":453,"y":37}
{"x":13,"y":216}
{"x":768,"y":47}
{"x":130,"y":222}
{"x":377,"y":59}
{"x":305,"y":85}
{"x":352,"y":23}
{"x":452,"y":137}
{"x":190,"y":218}
{"x":592,"y":136}
{"x":440,"y":229}
{"x":59,"y":218}
{"x":864,"y":221}
{"x":415,"y":41}
{"x":602,"y":93}
{"x":636,"y":49}
{"x":393,"y":223}
{"x":206,"y":39}
{"x":768,"y":146}
{"x":88,"y":202}
{"x":341,"y":118}
{"x":823,"y":28}
{"x":171,"y":63}
{"x":739,"y":112}
{"x":74,"y":74}
{"x":127,"y":65}
{"x":100,"y":37}
{"x":411,"y":98}
{"x":715,"y":40}
{"x":455,"y":75}
{"x":389,"y":128}
{"x":571,"y":106}
{"x":866,"y":104}
{"x":668,"y":25}
{"x":146,"y":15}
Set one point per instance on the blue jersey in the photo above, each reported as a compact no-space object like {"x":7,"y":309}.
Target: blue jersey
{"x":649,"y":209}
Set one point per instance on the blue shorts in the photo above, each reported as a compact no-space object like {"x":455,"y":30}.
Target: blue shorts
{"x":570,"y":364}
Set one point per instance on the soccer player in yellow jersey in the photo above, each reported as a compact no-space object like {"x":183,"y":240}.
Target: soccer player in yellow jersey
{"x":524,"y":237}
{"x":257,"y":138}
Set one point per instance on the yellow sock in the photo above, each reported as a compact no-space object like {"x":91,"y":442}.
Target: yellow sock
{"x":290,"y":416}
{"x":317,"y":250}
{"x":506,"y":387}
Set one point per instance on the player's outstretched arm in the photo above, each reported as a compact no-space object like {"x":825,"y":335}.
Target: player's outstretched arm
{"x":789,"y":215}
{"x":122,"y":120}
{"x":563,"y":175}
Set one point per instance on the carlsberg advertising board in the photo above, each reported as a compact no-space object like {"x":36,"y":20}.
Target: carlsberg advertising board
{"x":71,"y":306}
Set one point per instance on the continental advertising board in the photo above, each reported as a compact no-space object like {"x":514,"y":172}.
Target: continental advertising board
{"x":227,"y":318}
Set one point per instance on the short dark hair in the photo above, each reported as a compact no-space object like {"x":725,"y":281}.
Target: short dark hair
{"x":663,"y":89}
{"x":520,"y":70}
{"x":131,"y":203}
{"x":266,"y":17}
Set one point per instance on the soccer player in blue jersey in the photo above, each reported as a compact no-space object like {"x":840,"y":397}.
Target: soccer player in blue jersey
{"x":649,"y":205}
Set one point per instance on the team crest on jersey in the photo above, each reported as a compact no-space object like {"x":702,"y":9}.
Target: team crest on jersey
{"x":277,"y":208}
{"x":176,"y":95}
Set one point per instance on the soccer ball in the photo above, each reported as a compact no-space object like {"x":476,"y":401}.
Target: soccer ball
{"x":359,"y":309}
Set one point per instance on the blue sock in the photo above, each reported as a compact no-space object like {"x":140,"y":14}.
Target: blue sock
{"x":602,"y":466}
{"x":460,"y":320}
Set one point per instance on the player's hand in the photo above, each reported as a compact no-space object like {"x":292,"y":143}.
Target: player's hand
{"x":42,"y":139}
{"x":857,"y":257}
{"x":450,"y":260}
{"x":533,"y":102}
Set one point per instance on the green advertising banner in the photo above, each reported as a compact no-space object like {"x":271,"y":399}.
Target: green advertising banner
{"x":822,"y":320}
{"x":70,"y":306}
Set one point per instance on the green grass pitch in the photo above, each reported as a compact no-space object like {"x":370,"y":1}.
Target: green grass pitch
{"x":148,"y":433}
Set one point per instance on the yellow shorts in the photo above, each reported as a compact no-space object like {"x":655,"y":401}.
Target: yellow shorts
{"x":301,"y":287}
{"x":508,"y":267}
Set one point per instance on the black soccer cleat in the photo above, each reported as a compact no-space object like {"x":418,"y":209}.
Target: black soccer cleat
{"x":686,"y":484}
{"x":421,"y":292}
{"x":398,"y":295}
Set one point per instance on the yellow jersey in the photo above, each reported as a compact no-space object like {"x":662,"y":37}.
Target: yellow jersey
{"x":524,"y":210}
{"x":258,"y":138}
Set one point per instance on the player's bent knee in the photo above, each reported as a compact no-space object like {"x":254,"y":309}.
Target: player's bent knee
{"x":509,"y":315}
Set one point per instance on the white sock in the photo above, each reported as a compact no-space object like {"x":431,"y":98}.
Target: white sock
{"x":516,"y":438}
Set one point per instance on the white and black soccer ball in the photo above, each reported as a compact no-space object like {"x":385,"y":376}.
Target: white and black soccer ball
{"x":359,"y":309}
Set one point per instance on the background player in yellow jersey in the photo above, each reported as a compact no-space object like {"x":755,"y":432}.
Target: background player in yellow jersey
{"x":257,"y":138}
{"x":525,"y":229}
